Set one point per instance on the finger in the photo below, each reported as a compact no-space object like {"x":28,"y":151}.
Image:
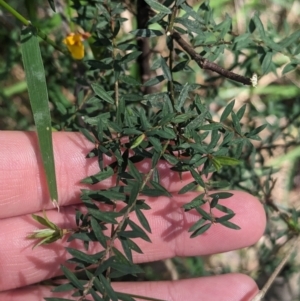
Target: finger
{"x":22,"y":179}
{"x":233,"y":287}
{"x":170,"y":237}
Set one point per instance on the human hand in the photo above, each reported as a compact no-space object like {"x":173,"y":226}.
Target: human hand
{"x":24,"y":191}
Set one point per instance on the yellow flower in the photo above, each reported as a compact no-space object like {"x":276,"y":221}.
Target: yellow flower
{"x":75,"y":45}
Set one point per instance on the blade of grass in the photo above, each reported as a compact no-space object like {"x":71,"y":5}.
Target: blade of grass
{"x":38,"y":95}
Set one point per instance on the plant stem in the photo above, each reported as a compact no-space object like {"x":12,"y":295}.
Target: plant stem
{"x":26,"y":22}
{"x":262,"y":292}
{"x":206,"y":64}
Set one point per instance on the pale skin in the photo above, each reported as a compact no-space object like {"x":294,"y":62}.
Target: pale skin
{"x":23,"y":192}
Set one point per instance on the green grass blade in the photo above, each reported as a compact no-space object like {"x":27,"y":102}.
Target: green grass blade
{"x":38,"y":95}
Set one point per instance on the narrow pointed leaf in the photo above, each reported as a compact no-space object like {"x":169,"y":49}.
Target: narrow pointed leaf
{"x":158,"y":6}
{"x":102,"y":175}
{"x":38,"y":96}
{"x":162,"y":189}
{"x":197,"y":225}
{"x":102,"y":93}
{"x":98,"y":232}
{"x":81,"y":255}
{"x":227,"y":111}
{"x":71,"y":276}
{"x":230,"y":225}
{"x":143,"y":220}
{"x":109,"y":290}
{"x":259,"y":25}
{"x":201,"y":230}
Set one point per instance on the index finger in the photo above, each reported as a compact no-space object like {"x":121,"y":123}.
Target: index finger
{"x":22,"y":178}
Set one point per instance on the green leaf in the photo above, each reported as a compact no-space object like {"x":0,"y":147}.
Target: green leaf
{"x":63,"y":288}
{"x":157,"y":17}
{"x":191,"y":25}
{"x":110,"y":194}
{"x":134,"y":171}
{"x":198,"y":121}
{"x":125,"y":269}
{"x":162,"y":189}
{"x":242,"y":41}
{"x":236,"y":123}
{"x":204,"y":214}
{"x":99,"y":91}
{"x":266,"y":63}
{"x":181,"y":118}
{"x":165,"y":69}
{"x":189,"y":187}
{"x":104,"y":266}
{"x":196,"y":202}
{"x":98,"y":232}
{"x":201,"y":230}
{"x":131,"y":131}
{"x":274,"y":46}
{"x":143,"y":220}
{"x":293,"y":38}
{"x":146,"y":33}
{"x":197,"y":177}
{"x":87,"y":135}
{"x":171,"y":159}
{"x":71,"y":276}
{"x":124,"y":297}
{"x":134,"y":193}
{"x":259,"y":25}
{"x":240,"y":113}
{"x":138,"y":141}
{"x":138,"y":230}
{"x":230,"y":225}
{"x":215,"y":136}
{"x":154,"y":81}
{"x":180,"y":66}
{"x":225,"y":218}
{"x":213,"y":203}
{"x":38,"y":96}
{"x":289,"y":67}
{"x":106,"y":173}
{"x":217,"y":165}
{"x":197,"y":225}
{"x":130,"y":56}
{"x":129,"y":80}
{"x":158,"y":6}
{"x":152,"y":192}
{"x":156,"y":144}
{"x":44,"y":221}
{"x":95,"y":295}
{"x":182,"y":97}
{"x":133,"y":246}
{"x":223,"y":160}
{"x":81,"y":256}
{"x":218,"y":184}
{"x":224,"y":27}
{"x":257,"y":130}
{"x":224,"y":209}
{"x":126,"y":245}
{"x":108,"y":289}
{"x":210,"y":127}
{"x":221,"y":195}
{"x":165,"y":132}
{"x":108,"y":217}
{"x":227,"y":111}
